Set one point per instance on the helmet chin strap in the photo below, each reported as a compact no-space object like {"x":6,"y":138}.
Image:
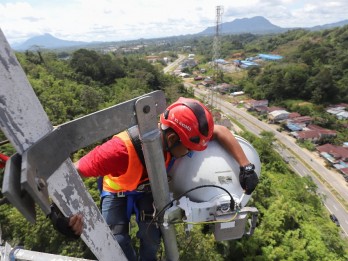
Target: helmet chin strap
{"x":165,"y":141}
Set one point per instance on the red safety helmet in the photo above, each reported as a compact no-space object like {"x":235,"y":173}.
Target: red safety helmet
{"x":191,"y":120}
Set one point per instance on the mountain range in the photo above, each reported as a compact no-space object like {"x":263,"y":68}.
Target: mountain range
{"x":254,"y":25}
{"x":49,"y":42}
{"x":260,"y":25}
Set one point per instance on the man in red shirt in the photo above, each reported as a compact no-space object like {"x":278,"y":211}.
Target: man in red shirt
{"x":185,"y":125}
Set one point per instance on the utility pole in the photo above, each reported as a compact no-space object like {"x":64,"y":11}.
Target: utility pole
{"x":216,"y":52}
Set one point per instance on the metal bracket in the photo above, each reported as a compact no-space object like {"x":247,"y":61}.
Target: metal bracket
{"x":7,"y":252}
{"x":41,"y":159}
{"x":235,"y":228}
{"x":226,"y":225}
{"x":252,"y":222}
{"x":11,"y":188}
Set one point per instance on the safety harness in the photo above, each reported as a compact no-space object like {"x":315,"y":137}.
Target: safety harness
{"x":133,"y":196}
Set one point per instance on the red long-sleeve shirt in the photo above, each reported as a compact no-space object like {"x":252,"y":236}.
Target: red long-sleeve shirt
{"x":3,"y":159}
{"x":109,"y":158}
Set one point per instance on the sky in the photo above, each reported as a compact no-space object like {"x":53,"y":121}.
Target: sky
{"x":117,"y":20}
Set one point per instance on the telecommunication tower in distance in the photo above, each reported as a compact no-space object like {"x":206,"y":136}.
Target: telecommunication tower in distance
{"x":216,"y":52}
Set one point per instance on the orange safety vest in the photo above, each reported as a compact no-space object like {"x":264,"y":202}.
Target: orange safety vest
{"x":133,"y":176}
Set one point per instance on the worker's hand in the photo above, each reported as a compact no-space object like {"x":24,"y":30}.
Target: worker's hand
{"x":76,"y":224}
{"x":248,"y":178}
{"x":69,"y":226}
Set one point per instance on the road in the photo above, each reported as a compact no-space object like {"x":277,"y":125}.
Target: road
{"x":173,"y":65}
{"x":331,"y":185}
{"x":328,"y":198}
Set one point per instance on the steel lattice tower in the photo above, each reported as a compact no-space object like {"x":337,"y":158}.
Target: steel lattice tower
{"x":216,"y":50}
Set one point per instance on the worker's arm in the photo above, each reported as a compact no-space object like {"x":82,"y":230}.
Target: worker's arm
{"x":247,"y":177}
{"x":230,"y":143}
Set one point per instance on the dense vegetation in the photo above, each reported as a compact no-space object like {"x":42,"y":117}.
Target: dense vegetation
{"x":293,"y":223}
{"x":90,"y":81}
{"x":315,"y":69}
{"x":312,"y":75}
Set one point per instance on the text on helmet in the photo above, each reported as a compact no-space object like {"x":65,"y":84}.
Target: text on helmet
{"x":182,"y":124}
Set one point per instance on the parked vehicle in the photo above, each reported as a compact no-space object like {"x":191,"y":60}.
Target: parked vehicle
{"x":334,"y":219}
{"x":346,"y":178}
{"x":198,"y":78}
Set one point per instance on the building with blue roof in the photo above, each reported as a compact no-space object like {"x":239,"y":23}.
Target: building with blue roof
{"x":293,"y":127}
{"x":220,"y":61}
{"x":270,"y":57}
{"x":246,"y":64}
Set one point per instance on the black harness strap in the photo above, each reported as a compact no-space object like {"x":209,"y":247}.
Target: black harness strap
{"x":133,"y":133}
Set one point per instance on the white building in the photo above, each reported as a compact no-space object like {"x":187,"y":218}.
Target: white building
{"x":343,"y":115}
{"x":278,"y":115}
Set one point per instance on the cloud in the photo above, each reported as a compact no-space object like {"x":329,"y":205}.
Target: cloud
{"x":32,"y":19}
{"x":108,"y":20}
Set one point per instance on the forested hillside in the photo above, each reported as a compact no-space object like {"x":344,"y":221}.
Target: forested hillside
{"x":293,"y":222}
{"x":314,"y":69}
{"x":312,"y":75}
{"x":90,"y":81}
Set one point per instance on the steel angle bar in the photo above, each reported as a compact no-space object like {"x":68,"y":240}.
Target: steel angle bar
{"x":46,"y":155}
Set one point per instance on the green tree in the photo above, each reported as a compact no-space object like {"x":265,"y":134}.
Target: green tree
{"x":323,"y":87}
{"x":90,"y":65}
